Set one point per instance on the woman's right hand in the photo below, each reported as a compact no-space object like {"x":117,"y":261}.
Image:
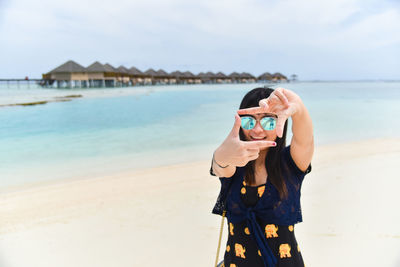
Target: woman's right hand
{"x":235,"y":152}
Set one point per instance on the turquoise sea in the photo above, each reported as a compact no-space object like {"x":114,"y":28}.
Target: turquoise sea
{"x":123,"y":129}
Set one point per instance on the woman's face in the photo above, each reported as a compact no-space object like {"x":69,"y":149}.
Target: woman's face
{"x":258,"y":133}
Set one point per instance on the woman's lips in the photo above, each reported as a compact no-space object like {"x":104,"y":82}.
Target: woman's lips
{"x":257,"y":138}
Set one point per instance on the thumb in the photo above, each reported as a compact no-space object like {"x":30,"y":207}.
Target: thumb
{"x":280,"y":124}
{"x":236,"y":126}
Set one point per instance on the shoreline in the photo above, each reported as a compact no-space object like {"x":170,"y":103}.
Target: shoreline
{"x":51,"y":95}
{"x":123,"y":217}
{"x":171,"y":162}
{"x":140,"y":167}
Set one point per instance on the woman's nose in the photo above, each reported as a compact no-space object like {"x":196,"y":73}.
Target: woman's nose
{"x":258,"y":128}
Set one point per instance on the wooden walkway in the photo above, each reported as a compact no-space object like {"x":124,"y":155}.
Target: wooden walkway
{"x":19,"y":82}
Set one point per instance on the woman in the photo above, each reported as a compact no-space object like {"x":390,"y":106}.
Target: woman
{"x":261,"y":178}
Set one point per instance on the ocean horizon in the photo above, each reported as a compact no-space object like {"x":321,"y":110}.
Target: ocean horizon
{"x":126,"y":128}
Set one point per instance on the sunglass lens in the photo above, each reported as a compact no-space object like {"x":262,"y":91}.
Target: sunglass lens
{"x":268,"y":123}
{"x":248,"y":123}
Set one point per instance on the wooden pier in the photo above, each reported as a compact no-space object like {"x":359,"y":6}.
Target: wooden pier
{"x":21,"y":81}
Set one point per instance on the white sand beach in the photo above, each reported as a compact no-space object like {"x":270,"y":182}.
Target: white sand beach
{"x":162,"y":216}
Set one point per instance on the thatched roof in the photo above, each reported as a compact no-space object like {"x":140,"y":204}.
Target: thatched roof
{"x":206,"y":76}
{"x":246,"y":75}
{"x":234,"y":75}
{"x":220,"y":75}
{"x":135,"y":71}
{"x":68,"y":67}
{"x":210,"y":75}
{"x":265,"y":76}
{"x":96,"y":67}
{"x":109,"y":68}
{"x":162,"y":73}
{"x":188,"y":74}
{"x":122,"y":69}
{"x":279,"y":75}
{"x":177,"y":74}
{"x":151,"y":72}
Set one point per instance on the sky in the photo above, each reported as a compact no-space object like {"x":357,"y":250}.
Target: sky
{"x":315,"y":39}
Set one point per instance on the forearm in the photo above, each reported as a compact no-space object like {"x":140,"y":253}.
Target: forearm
{"x":219,"y":171}
{"x":302,"y":127}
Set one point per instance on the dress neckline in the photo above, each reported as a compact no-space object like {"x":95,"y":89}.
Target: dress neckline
{"x":255,"y":186}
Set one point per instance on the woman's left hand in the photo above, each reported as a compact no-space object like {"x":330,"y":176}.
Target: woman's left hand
{"x":282,"y":102}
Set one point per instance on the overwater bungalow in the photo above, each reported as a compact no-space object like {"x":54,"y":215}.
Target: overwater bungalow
{"x":246,"y":77}
{"x":235,"y":77}
{"x":152,"y":75}
{"x":71,"y":75}
{"x":178,"y":76}
{"x":136,"y":76}
{"x":97,"y":76}
{"x":265,"y":77}
{"x":68,"y":75}
{"x":221,"y":78}
{"x":197,"y":79}
{"x":203,"y":78}
{"x":278,"y":77}
{"x":211,"y":76}
{"x":190,"y":78}
{"x":164,"y":77}
{"x":123,"y":76}
{"x":111,"y":73}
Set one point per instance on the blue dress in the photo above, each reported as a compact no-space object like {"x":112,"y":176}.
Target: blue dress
{"x":261,"y":225}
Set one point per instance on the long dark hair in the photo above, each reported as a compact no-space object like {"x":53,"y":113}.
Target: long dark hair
{"x":272,"y":159}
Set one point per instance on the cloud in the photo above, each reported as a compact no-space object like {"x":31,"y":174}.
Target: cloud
{"x":252,"y":35}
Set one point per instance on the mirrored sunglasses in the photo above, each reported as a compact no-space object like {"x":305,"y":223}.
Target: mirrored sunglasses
{"x":268,"y":122}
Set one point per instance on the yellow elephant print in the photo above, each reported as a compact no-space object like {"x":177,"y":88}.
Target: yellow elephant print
{"x":231,"y":228}
{"x":284,"y":251}
{"x":240,"y":250}
{"x":261,"y":190}
{"x":246,"y":231}
{"x":290,"y":227}
{"x":232,"y":265}
{"x":270,"y":230}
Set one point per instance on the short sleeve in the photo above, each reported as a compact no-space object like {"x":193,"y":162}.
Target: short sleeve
{"x":292,"y":165}
{"x":220,"y":204}
{"x":211,"y":170}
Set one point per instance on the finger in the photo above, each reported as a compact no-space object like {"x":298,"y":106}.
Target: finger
{"x":280,"y":124}
{"x":253,"y":157}
{"x":263,"y":103}
{"x":253,"y":150}
{"x":279,"y":93}
{"x":249,"y":111}
{"x":236,"y":126}
{"x":258,"y":144}
{"x":272,"y":101}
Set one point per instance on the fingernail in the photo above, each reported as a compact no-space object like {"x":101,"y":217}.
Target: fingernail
{"x":274,"y":144}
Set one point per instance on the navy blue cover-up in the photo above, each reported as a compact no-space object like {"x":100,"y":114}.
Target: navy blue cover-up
{"x":270,"y":208}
